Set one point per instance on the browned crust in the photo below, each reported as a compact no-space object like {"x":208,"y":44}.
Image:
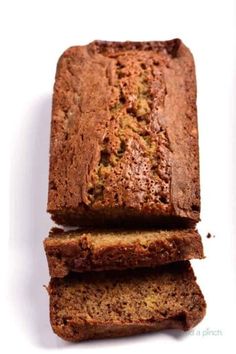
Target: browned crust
{"x":76,"y":332}
{"x":78,"y":328}
{"x":81,"y":253}
{"x":73,"y":160}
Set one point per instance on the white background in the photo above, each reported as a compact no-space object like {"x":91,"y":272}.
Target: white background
{"x":33,"y":35}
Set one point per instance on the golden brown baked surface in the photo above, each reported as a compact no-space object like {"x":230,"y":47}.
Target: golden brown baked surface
{"x":124,"y":137}
{"x":113,"y":304}
{"x":91,"y":250}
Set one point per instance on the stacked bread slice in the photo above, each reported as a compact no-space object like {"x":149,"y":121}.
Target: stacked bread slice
{"x":124,"y":169}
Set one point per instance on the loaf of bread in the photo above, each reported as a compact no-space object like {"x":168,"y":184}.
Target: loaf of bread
{"x":122,"y":303}
{"x":124,"y":136}
{"x":96,"y":250}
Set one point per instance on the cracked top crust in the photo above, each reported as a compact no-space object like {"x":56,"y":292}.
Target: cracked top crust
{"x":124,"y":138}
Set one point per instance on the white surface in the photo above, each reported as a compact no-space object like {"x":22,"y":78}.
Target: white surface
{"x":33,"y":35}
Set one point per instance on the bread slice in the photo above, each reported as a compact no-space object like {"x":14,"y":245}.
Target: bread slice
{"x":114,"y":304}
{"x":124,"y":136}
{"x":85,"y":250}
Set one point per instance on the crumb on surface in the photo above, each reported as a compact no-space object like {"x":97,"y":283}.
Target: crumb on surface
{"x":209,"y":235}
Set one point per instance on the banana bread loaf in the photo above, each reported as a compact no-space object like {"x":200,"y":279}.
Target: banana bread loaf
{"x":113,"y":304}
{"x":124,"y":136}
{"x":85,"y":250}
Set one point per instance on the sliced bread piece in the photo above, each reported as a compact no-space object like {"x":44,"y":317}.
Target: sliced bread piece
{"x":93,"y":250}
{"x":114,"y":304}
